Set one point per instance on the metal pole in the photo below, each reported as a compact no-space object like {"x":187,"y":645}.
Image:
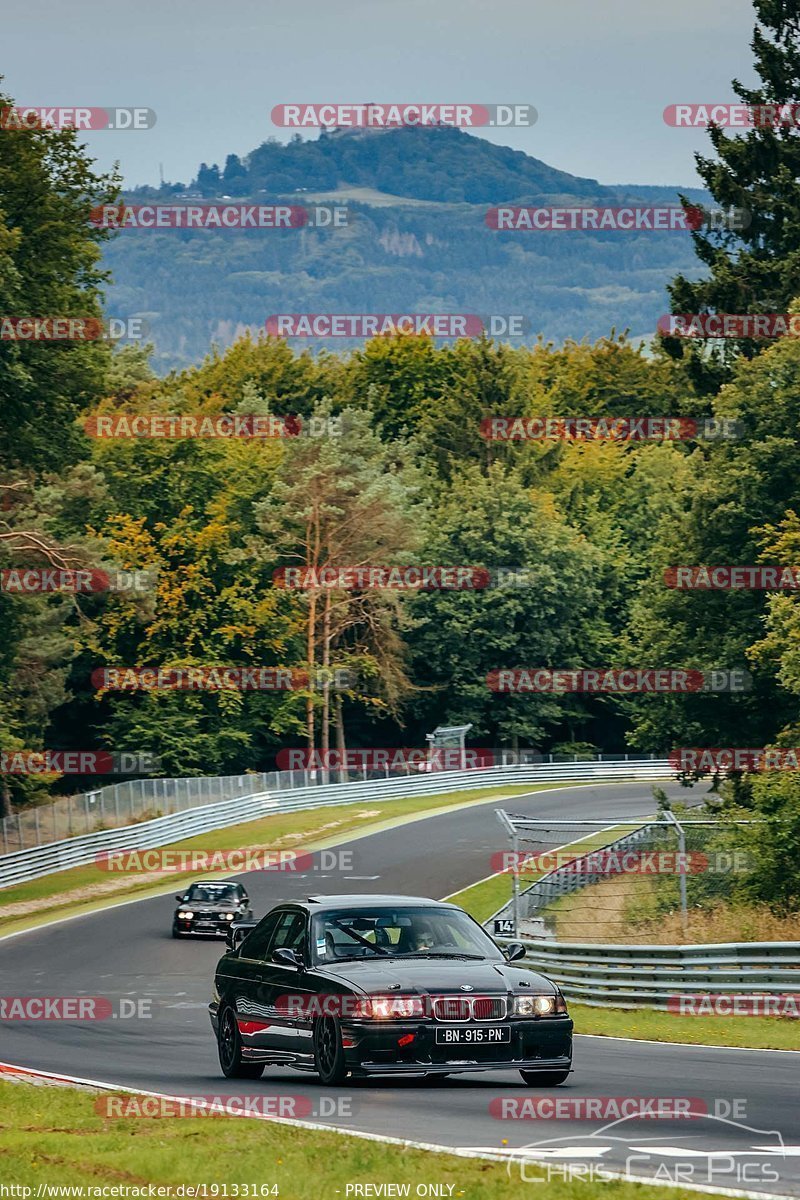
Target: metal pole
{"x":681,"y":832}
{"x":36,"y":819}
{"x":515,"y":885}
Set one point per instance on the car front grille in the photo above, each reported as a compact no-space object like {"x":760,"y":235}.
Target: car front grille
{"x":469,"y":1008}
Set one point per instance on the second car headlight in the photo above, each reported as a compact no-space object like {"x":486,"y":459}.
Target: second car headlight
{"x":187,"y":914}
{"x":539,"y":1006}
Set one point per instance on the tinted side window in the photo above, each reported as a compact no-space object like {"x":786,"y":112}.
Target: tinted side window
{"x":256,"y":942}
{"x":291,"y":931}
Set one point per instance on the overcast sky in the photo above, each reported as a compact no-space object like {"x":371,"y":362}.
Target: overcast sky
{"x":599,"y":72}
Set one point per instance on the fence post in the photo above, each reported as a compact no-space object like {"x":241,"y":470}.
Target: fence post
{"x":681,"y":832}
{"x":5,"y":836}
{"x":36,"y":821}
{"x":19,"y":832}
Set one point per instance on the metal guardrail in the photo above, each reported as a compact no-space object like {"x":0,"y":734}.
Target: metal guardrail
{"x":649,"y":976}
{"x":130,"y":801}
{"x":23,"y":865}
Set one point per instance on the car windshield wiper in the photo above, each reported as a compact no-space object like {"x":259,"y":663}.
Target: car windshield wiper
{"x":352,"y":958}
{"x":440,"y":954}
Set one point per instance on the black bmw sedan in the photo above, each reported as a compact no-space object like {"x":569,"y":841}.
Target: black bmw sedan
{"x":209,"y":907}
{"x":379,"y":985}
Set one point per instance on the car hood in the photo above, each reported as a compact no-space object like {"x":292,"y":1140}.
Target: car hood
{"x":432,"y":975}
{"x":207,"y":906}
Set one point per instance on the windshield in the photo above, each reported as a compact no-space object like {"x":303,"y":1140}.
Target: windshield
{"x":212,"y":893}
{"x":404,"y":932}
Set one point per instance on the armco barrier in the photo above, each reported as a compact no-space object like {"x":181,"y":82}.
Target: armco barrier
{"x":78,"y":851}
{"x":646,"y":976}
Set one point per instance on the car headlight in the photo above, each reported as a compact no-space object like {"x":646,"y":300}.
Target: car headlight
{"x":228,"y":916}
{"x":539,"y":1006}
{"x":187,"y":914}
{"x":388,"y":1008}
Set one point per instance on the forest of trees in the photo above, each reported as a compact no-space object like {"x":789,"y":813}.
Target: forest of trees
{"x":401,"y":474}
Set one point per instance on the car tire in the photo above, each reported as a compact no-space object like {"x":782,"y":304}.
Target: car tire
{"x":544,"y":1078}
{"x":175,"y":932}
{"x":229,"y":1048}
{"x":329,"y":1061}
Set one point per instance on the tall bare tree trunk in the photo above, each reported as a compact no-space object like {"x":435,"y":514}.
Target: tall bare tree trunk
{"x":341,"y":745}
{"x":311,"y":663}
{"x":325,"y":735}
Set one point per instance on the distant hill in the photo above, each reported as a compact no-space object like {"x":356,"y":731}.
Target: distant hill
{"x":417,"y":242}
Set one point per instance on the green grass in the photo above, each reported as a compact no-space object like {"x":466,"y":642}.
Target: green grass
{"x":483,"y":899}
{"x":765,"y":1033}
{"x":54,"y":1136}
{"x":65,"y":893}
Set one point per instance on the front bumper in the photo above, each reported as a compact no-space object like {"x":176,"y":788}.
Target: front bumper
{"x":538,"y":1044}
{"x":203,"y":926}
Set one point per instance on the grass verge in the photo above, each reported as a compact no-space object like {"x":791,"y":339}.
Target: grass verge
{"x":54,"y":1136}
{"x":84,"y":889}
{"x":764,"y":1033}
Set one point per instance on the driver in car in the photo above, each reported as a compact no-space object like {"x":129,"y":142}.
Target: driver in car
{"x":421,"y":940}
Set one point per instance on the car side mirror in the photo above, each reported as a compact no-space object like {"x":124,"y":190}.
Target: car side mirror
{"x":237,"y":932}
{"x":290,"y":957}
{"x":513,"y":951}
{"x":180,"y":898}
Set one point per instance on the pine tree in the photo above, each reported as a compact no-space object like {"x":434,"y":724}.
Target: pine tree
{"x":753,"y":269}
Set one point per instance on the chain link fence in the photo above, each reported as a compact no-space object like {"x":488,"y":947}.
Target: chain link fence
{"x":616,"y":880}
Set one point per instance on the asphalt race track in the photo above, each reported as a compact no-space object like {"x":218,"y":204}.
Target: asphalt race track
{"x":128,"y":952}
